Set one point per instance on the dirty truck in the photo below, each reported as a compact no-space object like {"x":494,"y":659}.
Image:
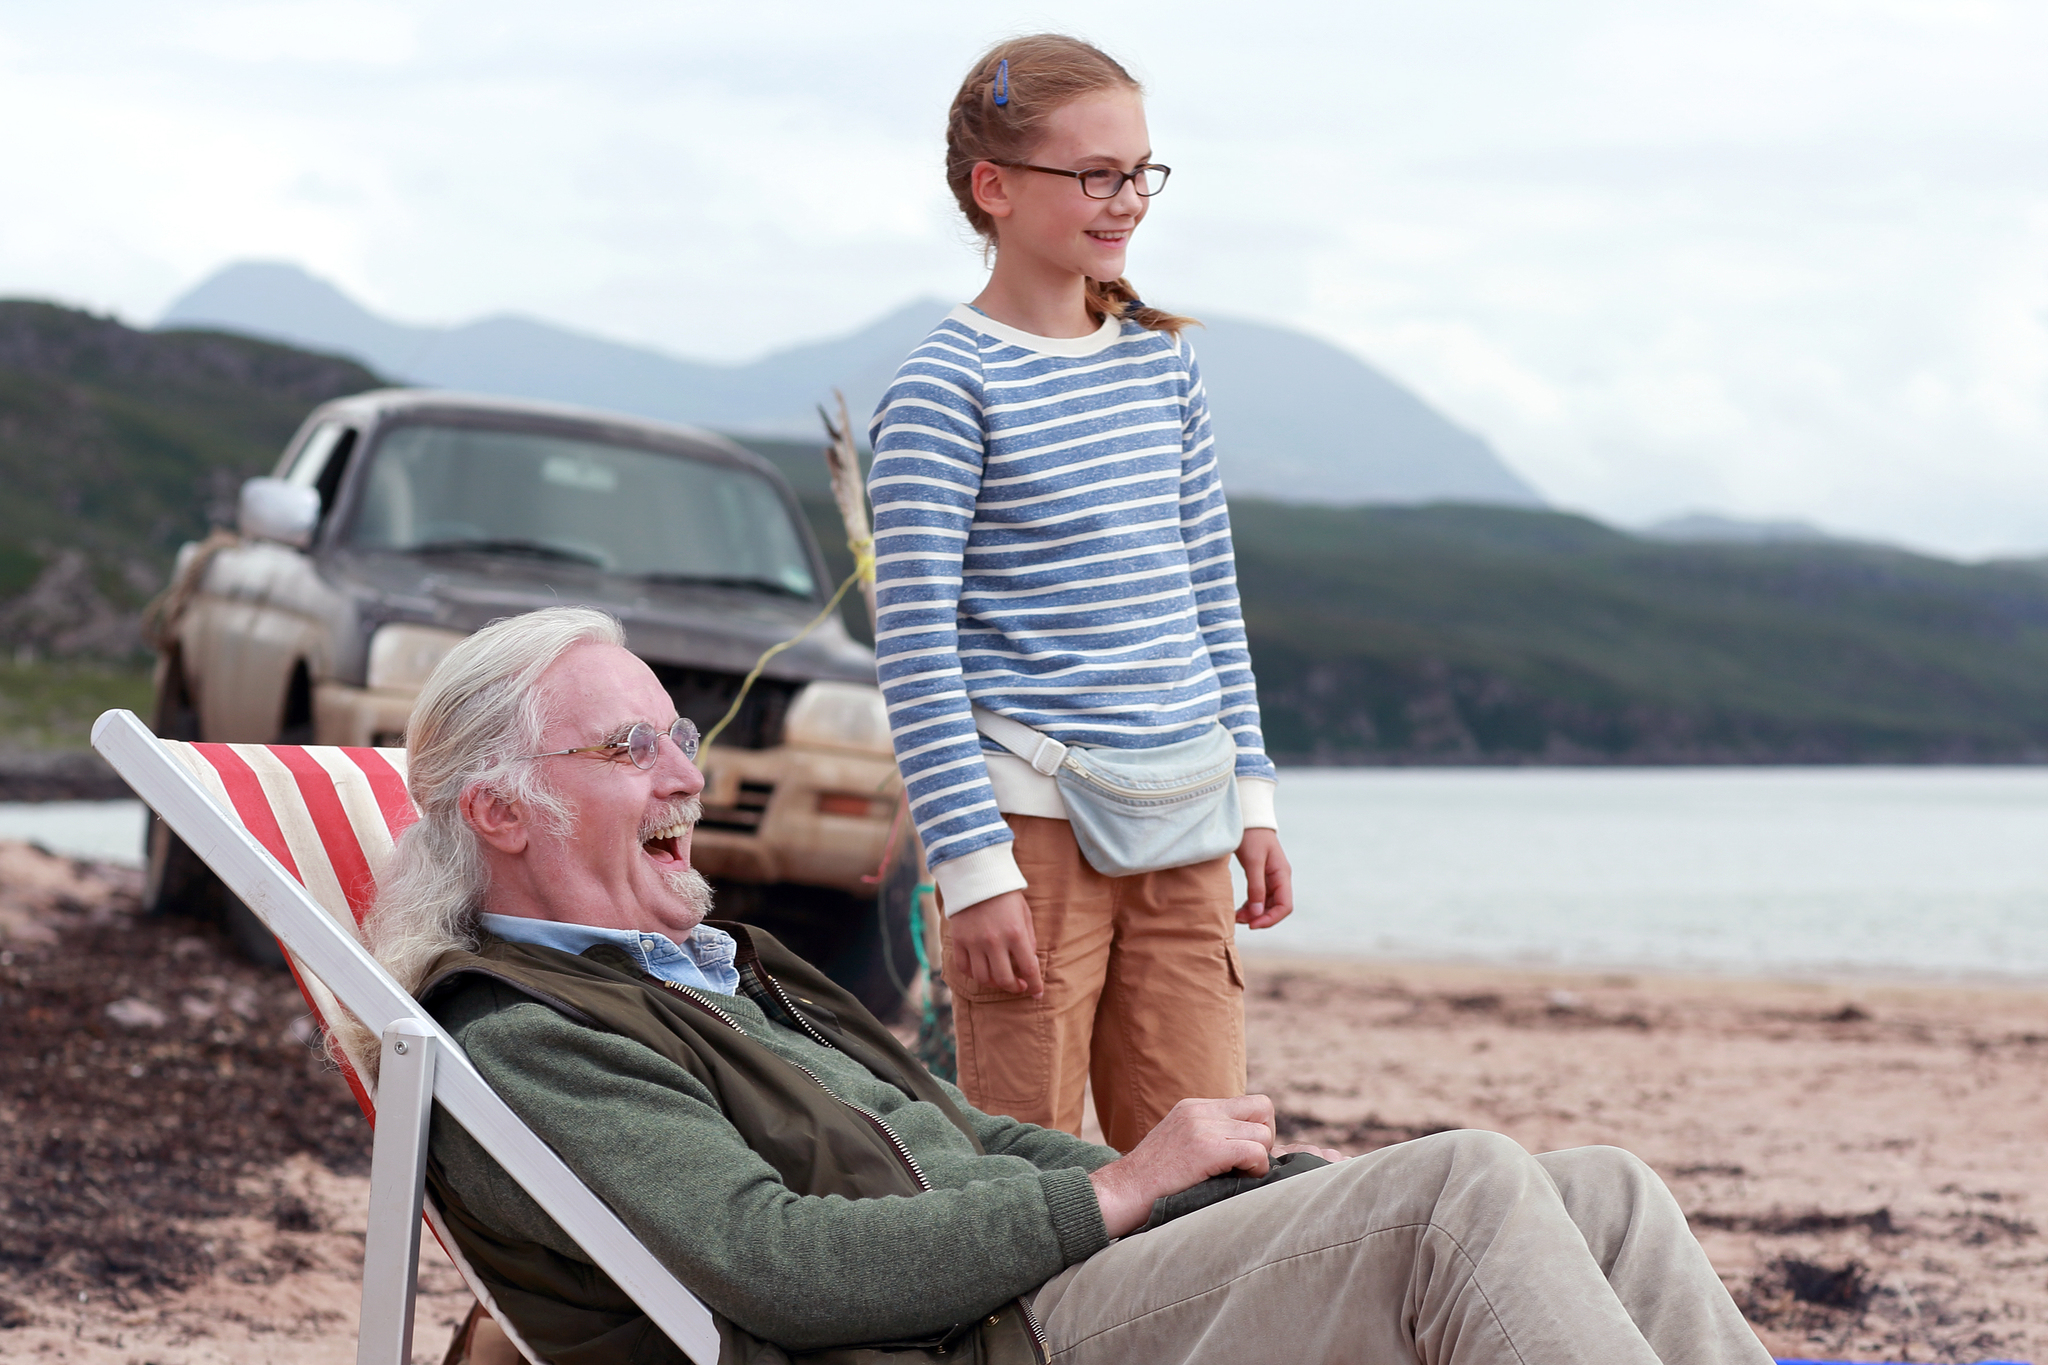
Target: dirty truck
{"x":399,"y":521}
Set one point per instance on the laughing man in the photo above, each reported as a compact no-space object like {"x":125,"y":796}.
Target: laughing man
{"x":829,"y":1199}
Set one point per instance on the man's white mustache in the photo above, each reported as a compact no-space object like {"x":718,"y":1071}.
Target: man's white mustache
{"x":671,"y":818}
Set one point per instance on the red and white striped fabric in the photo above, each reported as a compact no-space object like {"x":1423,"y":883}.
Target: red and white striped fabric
{"x":330,"y":815}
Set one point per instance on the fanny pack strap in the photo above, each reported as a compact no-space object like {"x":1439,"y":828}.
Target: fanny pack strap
{"x":1041,"y":751}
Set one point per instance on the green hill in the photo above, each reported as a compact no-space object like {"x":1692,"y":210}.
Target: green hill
{"x":116,"y":446}
{"x":119,"y":445}
{"x":1469,"y":634}
{"x":1381,"y":634}
{"x":1480,"y":634}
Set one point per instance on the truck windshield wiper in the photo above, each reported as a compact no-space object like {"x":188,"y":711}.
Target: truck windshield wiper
{"x":692,"y":580}
{"x":537,"y":549}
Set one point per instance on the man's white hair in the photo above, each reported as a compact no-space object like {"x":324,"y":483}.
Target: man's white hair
{"x":479,"y":715}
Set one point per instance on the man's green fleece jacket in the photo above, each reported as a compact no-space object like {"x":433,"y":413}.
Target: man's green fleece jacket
{"x":804,"y":1271}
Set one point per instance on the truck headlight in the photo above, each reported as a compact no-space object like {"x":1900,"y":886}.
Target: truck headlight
{"x":402,"y":656}
{"x":836,"y":715}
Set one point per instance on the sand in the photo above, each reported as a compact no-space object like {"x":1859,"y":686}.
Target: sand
{"x":275,"y":1295}
{"x":1861,"y":1160}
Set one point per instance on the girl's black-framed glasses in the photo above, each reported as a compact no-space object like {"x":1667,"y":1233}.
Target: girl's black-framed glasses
{"x":1104,"y":182}
{"x":641,"y":743}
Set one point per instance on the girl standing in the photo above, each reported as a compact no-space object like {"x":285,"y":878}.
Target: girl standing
{"x":1053,"y":552}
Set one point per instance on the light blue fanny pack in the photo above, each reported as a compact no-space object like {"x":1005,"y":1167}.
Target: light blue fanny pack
{"x":1137,"y":810}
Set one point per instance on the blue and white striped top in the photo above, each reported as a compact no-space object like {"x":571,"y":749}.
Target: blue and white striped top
{"x":1051,"y":543}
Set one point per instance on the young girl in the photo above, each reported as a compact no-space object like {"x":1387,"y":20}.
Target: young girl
{"x":1052,"y":547}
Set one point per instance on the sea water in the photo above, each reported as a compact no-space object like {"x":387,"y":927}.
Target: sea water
{"x":107,"y":831}
{"x":1925,"y":871}
{"x":1938,"y":871}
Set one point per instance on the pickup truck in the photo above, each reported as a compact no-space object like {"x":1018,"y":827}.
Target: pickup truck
{"x":398,"y":521}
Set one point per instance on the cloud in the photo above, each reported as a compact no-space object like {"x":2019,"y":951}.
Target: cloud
{"x":1778,"y":257}
{"x":301,"y":32}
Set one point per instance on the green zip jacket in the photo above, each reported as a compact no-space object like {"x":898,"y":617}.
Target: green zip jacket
{"x":728,"y":1134}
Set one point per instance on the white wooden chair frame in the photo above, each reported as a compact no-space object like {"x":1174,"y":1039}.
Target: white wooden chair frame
{"x":420,"y":1065}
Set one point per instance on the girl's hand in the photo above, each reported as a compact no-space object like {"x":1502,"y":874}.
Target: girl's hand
{"x":993,"y":945}
{"x":1268,"y":880}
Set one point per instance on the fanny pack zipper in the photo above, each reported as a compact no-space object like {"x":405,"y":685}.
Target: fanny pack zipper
{"x":1191,"y":787}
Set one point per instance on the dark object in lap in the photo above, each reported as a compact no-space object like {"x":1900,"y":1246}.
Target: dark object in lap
{"x":1218,"y":1188}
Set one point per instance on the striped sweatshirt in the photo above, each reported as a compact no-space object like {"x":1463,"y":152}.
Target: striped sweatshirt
{"x":1051,"y":543}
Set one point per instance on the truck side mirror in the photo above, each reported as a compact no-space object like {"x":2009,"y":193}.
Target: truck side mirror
{"x":271,"y":509}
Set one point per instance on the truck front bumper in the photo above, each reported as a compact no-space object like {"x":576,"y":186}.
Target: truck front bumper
{"x":817,"y":817}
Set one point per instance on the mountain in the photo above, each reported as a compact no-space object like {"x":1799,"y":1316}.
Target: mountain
{"x":115,"y":447}
{"x":1297,"y":418}
{"x":1300,"y":420}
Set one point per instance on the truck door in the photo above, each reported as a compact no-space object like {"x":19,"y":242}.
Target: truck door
{"x":272,"y":618}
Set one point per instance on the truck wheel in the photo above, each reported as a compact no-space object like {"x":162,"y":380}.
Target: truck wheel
{"x":297,"y":727}
{"x":861,"y":942}
{"x":174,"y":880}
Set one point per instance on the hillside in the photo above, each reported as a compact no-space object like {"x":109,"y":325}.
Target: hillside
{"x":1469,"y":634}
{"x":115,"y":447}
{"x":1435,"y":634}
{"x":1299,"y":418}
{"x":118,"y":445}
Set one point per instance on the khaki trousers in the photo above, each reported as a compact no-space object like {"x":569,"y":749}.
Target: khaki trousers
{"x":1142,"y":995}
{"x":1460,"y":1249}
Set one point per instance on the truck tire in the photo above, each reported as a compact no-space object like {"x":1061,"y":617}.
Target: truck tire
{"x":174,"y":880}
{"x":861,"y":942}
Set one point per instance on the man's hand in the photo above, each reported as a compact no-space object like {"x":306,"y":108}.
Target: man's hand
{"x":1268,"y":880}
{"x":1198,"y":1139}
{"x":994,"y":947}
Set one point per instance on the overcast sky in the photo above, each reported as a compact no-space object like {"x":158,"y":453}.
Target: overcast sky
{"x":1771,"y":259}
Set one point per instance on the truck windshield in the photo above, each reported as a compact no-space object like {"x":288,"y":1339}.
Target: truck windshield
{"x":474,"y":490}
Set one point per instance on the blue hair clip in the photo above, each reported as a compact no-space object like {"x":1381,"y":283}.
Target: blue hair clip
{"x":1002,"y":85}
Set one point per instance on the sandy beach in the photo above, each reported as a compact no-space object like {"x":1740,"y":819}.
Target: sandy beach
{"x":1861,"y":1160}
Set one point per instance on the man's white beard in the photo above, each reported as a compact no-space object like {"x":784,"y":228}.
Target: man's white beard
{"x":691,"y":888}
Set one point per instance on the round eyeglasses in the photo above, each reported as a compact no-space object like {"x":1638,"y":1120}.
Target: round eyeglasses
{"x":641,"y":743}
{"x":1102,"y":182}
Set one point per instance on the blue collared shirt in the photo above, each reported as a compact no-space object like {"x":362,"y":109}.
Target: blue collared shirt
{"x":703,"y":960}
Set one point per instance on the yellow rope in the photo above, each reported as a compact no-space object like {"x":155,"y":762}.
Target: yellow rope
{"x":863,"y":571}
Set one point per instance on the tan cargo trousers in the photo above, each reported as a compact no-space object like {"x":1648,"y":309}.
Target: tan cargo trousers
{"x":1142,"y":994}
{"x":1457,"y":1249}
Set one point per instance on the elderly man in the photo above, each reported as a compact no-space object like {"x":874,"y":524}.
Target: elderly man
{"x":828,"y":1198}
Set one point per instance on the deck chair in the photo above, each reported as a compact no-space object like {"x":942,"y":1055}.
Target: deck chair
{"x":299,"y":833}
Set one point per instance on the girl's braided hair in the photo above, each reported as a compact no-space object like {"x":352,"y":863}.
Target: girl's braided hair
{"x":1045,"y":71}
